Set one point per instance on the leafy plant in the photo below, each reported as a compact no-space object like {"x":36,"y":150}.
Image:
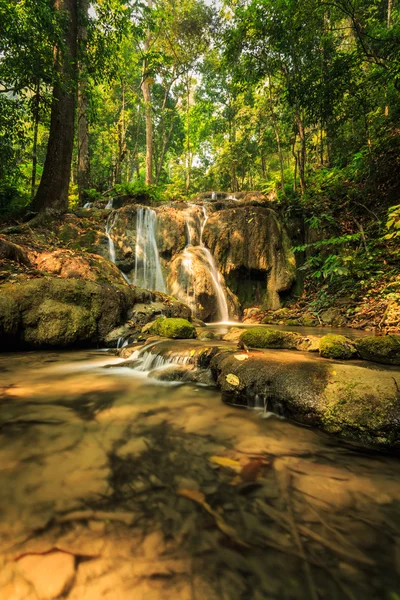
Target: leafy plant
{"x":393,"y":222}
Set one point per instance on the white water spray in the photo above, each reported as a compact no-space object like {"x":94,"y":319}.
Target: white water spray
{"x":112,"y":219}
{"x":148,"y":273}
{"x":187,"y":263}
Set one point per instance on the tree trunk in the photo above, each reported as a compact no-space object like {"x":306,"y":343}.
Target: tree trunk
{"x":277,"y":136}
{"x":147,"y":111}
{"x":188,"y":156}
{"x":36,"y":104}
{"x":302,"y":153}
{"x":52,"y":194}
{"x":83,"y":126}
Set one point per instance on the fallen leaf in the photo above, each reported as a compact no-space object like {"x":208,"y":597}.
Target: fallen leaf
{"x":233,"y":379}
{"x":251,"y":470}
{"x":224,"y":461}
{"x":241,"y":356}
{"x":195,"y":495}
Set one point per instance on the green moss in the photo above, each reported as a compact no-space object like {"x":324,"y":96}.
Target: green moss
{"x":260,"y":337}
{"x":384,"y":350}
{"x":336,"y":346}
{"x":60,"y":324}
{"x":9,"y":316}
{"x":307,"y":321}
{"x":174,"y":328}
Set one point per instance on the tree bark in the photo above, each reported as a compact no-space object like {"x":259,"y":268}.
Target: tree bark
{"x":147,"y":111}
{"x":188,"y":153}
{"x":83,"y":126}
{"x":302,"y":153}
{"x":277,"y":136}
{"x":52,"y":194}
{"x":36,"y":104}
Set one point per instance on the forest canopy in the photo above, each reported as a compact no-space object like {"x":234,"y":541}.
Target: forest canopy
{"x":297,"y":99}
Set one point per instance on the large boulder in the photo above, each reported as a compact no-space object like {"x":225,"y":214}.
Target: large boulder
{"x":349,"y":399}
{"x":337,"y":346}
{"x":72,"y":264}
{"x":191,"y":280}
{"x":48,"y":312}
{"x":262,"y":337}
{"x":253,"y":252}
{"x":384,"y":349}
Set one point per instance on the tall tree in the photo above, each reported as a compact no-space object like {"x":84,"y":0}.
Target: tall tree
{"x":83,"y":127}
{"x":52,"y":194}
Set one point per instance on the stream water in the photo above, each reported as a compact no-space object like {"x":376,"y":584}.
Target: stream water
{"x":147,"y":490}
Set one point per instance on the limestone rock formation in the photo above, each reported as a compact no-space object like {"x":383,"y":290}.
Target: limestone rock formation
{"x":253,"y":253}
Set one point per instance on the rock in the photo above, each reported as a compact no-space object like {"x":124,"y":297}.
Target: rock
{"x":351,"y":400}
{"x":208,"y":334}
{"x":233,"y":334}
{"x":49,"y":312}
{"x":336,"y":346}
{"x":199,"y":376}
{"x":51,"y":574}
{"x":310,"y":344}
{"x":173,"y":328}
{"x":262,"y":337}
{"x":384,"y":349}
{"x":171,"y":373}
{"x":69,"y":264}
{"x":118,"y":335}
{"x":253,"y":252}
{"x":190,"y":277}
{"x":11,"y":251}
{"x":331,"y":316}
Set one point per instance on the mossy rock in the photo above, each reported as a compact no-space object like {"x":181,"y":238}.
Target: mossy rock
{"x":260,"y":337}
{"x":384,"y":350}
{"x":60,"y":324}
{"x":337,"y":346}
{"x":174,"y":328}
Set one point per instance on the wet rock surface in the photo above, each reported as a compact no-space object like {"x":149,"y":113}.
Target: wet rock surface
{"x":179,"y":495}
{"x":355,"y":401}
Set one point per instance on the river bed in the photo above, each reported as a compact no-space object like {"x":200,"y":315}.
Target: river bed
{"x":114,"y":485}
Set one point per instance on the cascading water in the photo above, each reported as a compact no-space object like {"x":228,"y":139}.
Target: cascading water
{"x":187,"y":262}
{"x":112,"y":219}
{"x":148,"y":273}
{"x":109,"y":225}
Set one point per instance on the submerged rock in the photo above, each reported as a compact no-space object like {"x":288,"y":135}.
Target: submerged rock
{"x":384,"y":350}
{"x":173,"y":328}
{"x":351,"y":400}
{"x":337,"y":346}
{"x":262,"y":337}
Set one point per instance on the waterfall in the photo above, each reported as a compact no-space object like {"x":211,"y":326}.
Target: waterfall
{"x":187,"y":262}
{"x":110,"y":203}
{"x":223,"y":311}
{"x":112,"y":219}
{"x":109,"y":225}
{"x":148,"y":273}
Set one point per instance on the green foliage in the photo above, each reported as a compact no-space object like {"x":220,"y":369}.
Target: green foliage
{"x":393,"y":223}
{"x":140,"y":191}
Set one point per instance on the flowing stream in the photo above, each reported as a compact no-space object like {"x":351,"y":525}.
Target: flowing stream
{"x":136,"y":487}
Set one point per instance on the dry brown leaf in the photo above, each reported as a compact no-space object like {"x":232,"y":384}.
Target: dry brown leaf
{"x":195,"y":495}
